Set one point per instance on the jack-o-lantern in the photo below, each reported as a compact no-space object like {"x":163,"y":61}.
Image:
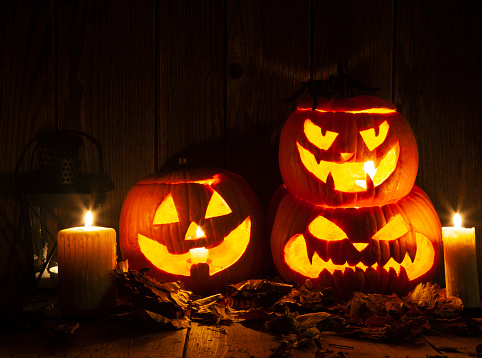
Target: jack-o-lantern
{"x":348,"y":152}
{"x":200,"y":226}
{"x":382,"y":249}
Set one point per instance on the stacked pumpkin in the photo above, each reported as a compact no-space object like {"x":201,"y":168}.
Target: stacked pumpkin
{"x":349,"y":215}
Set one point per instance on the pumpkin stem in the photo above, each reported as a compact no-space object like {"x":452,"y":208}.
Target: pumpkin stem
{"x":341,"y":87}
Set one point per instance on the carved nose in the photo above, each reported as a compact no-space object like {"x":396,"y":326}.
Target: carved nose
{"x":347,"y":156}
{"x":194,"y":232}
{"x":360,"y":246}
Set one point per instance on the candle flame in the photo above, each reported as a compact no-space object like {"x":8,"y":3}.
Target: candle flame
{"x":369,"y":168}
{"x":199,"y":232}
{"x":88,"y":219}
{"x":457,"y":220}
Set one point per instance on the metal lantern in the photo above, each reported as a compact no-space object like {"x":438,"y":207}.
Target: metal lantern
{"x":56,"y":192}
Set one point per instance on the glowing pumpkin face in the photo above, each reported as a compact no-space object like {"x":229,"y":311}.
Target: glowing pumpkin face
{"x":383,"y":249}
{"x":201,"y":227}
{"x":349,"y":152}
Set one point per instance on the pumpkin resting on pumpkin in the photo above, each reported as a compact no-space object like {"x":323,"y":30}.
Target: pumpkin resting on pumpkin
{"x":349,"y":152}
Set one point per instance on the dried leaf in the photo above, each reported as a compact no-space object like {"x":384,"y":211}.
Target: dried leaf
{"x":213,"y":309}
{"x":177,"y":323}
{"x":424,"y":295}
{"x":310,"y":320}
{"x":257,"y":293}
{"x":363,"y":306}
{"x":284,"y":323}
{"x":167,"y":299}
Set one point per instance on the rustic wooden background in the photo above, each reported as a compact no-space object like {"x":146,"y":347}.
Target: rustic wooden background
{"x":157,"y":80}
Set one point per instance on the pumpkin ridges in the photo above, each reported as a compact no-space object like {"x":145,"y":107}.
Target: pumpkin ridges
{"x":290,"y":220}
{"x":308,"y":186}
{"x":135,"y":217}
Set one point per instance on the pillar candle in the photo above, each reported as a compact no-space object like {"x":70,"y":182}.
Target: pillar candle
{"x":460,"y":257}
{"x":86,"y":258}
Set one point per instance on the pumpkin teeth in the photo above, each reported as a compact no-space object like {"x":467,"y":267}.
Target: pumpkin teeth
{"x":310,"y":251}
{"x":321,"y":169}
{"x":369,"y":185}
{"x":295,"y":253}
{"x":412,"y":251}
{"x":330,"y":183}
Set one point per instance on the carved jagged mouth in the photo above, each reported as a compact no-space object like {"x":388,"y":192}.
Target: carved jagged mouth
{"x":220,"y":257}
{"x":350,"y":176}
{"x":296,"y":257}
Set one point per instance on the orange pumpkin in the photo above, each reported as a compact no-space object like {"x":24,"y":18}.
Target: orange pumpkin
{"x":382,"y":249}
{"x":200,"y":226}
{"x":349,"y":152}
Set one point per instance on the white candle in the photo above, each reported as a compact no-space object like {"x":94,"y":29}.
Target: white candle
{"x":460,"y":256}
{"x":86,"y":257}
{"x":199,"y":255}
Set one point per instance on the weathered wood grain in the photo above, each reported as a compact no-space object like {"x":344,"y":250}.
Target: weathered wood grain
{"x":106,"y":88}
{"x":362,"y":33}
{"x":97,"y":338}
{"x":107,"y":337}
{"x":228,"y":341}
{"x":190,"y":75}
{"x":438,"y":89}
{"x":26,"y":106}
{"x":154,"y":81}
{"x":267,"y":59}
{"x":362,"y":348}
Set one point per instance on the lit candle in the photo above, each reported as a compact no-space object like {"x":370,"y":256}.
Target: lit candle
{"x":461,"y":277}
{"x":86,"y":258}
{"x":199,"y":255}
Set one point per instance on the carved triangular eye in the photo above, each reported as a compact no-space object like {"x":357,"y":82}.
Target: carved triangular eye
{"x":217,"y":207}
{"x":394,"y":229}
{"x":323,"y":228}
{"x":374,"y":140}
{"x":166,"y":212}
{"x":315,"y":136}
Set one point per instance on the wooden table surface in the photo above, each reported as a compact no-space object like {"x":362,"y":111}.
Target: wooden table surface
{"x":107,"y":337}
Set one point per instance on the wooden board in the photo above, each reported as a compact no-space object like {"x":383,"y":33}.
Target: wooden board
{"x":361,"y":32}
{"x":106,"y":88}
{"x":190,"y":70}
{"x":454,"y":346}
{"x":156,"y":81}
{"x":438,"y":87}
{"x":267,"y":59}
{"x":229,"y":341}
{"x":112,"y":338}
{"x":27,"y":72}
{"x":97,"y":339}
{"x":375,"y":349}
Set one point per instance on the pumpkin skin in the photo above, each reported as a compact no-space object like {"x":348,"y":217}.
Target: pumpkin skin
{"x":322,"y":153}
{"x":379,"y":249}
{"x":160,"y":216}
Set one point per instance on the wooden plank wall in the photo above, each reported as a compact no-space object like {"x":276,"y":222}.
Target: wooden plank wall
{"x":154,"y":81}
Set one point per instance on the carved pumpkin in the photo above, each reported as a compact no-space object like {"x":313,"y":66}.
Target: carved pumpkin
{"x":382,"y":249}
{"x":349,"y":152}
{"x":166,"y":220}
